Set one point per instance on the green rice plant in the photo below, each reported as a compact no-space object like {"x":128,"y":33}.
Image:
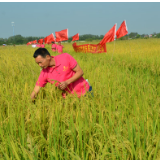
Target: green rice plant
{"x":121,"y":121}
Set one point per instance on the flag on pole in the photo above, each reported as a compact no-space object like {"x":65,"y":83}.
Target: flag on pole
{"x":49,"y":39}
{"x":75,"y":37}
{"x":122,"y":30}
{"x":109,"y":36}
{"x":62,"y":35}
{"x":29,"y":43}
{"x":40,"y":41}
{"x":34,"y":42}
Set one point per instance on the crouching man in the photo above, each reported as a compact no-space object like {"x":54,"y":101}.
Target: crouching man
{"x":63,"y":69}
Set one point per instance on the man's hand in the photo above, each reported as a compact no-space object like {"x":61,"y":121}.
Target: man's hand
{"x":35,"y":92}
{"x":62,"y":85}
{"x":78,"y":73}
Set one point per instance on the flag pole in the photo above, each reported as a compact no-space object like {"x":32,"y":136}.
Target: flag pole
{"x":67,"y":36}
{"x":113,"y":51}
{"x":128,"y":38}
{"x":114,"y":42}
{"x":78,"y":39}
{"x":129,"y":46}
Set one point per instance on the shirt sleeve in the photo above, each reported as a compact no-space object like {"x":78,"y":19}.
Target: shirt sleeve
{"x":42,"y":80}
{"x":72,"y":61}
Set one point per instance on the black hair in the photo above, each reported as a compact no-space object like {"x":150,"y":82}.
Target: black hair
{"x":42,"y":52}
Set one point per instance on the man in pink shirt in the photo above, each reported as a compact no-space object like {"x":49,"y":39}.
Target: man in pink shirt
{"x":54,"y":46}
{"x":63,"y":69}
{"x":38,"y":45}
{"x":60,"y":48}
{"x":42,"y":46}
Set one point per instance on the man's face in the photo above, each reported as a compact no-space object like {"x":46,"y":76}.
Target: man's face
{"x":43,"y":62}
{"x":59,"y":43}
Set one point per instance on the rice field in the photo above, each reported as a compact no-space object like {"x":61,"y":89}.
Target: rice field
{"x":121,"y":121}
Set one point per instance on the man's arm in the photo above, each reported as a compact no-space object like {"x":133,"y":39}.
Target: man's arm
{"x":35,"y":92}
{"x":77,"y":75}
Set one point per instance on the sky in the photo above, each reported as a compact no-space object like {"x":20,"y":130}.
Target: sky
{"x":43,"y":18}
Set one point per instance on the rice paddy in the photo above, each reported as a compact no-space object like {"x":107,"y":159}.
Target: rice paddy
{"x":121,"y":121}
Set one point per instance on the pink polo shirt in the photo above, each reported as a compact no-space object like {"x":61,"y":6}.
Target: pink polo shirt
{"x":38,"y":45}
{"x":42,"y":45}
{"x":54,"y":46}
{"x":62,"y":72}
{"x":60,"y":48}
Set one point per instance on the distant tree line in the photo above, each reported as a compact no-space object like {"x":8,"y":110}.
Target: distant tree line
{"x":88,"y":37}
{"x":135,"y":35}
{"x":18,"y":39}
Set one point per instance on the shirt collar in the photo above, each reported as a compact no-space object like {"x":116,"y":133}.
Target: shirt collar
{"x":50,"y":69}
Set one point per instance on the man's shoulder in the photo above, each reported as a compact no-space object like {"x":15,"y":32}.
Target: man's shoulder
{"x":63,"y":57}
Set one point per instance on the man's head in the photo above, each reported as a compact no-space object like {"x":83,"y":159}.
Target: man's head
{"x":42,"y":57}
{"x":59,"y":43}
{"x":53,"y":42}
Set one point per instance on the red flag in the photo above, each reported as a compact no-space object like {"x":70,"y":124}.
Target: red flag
{"x":40,"y":41}
{"x":75,"y":37}
{"x":122,"y":30}
{"x":49,"y":39}
{"x":62,"y":35}
{"x":29,"y":43}
{"x":109,"y":36}
{"x":34,"y":42}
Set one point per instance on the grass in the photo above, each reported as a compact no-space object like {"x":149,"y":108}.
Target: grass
{"x":121,"y":121}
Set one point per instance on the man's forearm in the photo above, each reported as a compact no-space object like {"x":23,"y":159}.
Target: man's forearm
{"x":35,"y":92}
{"x":33,"y":95}
{"x":76,"y":76}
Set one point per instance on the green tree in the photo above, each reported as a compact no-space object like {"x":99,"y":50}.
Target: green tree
{"x":158,"y":35}
{"x":138,"y":36}
{"x":142,"y":36}
{"x":133,"y":35}
{"x":89,"y":39}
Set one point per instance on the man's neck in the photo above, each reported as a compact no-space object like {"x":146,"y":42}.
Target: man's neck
{"x":52,"y":62}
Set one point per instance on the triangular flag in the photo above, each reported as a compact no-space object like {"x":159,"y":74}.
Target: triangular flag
{"x":40,"y":41}
{"x":29,"y":43}
{"x":49,"y":39}
{"x":75,"y":37}
{"x":62,"y":35}
{"x":109,"y":36}
{"x":122,"y":30}
{"x":34,"y":42}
